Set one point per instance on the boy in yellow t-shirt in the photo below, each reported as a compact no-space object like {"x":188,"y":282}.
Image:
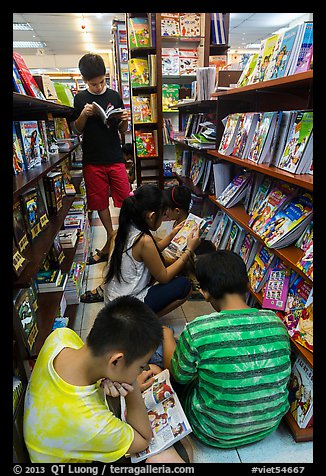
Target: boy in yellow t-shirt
{"x":66,"y":416}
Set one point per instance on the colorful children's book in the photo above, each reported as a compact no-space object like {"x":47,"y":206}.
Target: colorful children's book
{"x":139,"y":72}
{"x":301,"y":392}
{"x":188,"y":62}
{"x":170,"y":97}
{"x":170,"y":62}
{"x":108,"y":114}
{"x":305,"y":50}
{"x":303,"y":333}
{"x":230,"y":132}
{"x":276,"y":289}
{"x":18,"y":84}
{"x":146,"y":143}
{"x":247,"y":71}
{"x":235,"y":191}
{"x":31,"y":143}
{"x":221,"y":234}
{"x":306,"y":263}
{"x":270,"y":45}
{"x":197,"y":167}
{"x":247,"y":126}
{"x":138,"y":32}
{"x":260,"y":146}
{"x":179,"y":242}
{"x":297,"y":140}
{"x":248,"y":248}
{"x":17,"y":152}
{"x":189,"y":25}
{"x":289,"y":222}
{"x":167,"y":418}
{"x":285,"y":53}
{"x":170,"y":24}
{"x":143,"y":108}
{"x":258,"y":271}
{"x":29,"y":83}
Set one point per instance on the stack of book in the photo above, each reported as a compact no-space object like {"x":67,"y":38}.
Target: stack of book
{"x":73,"y":288}
{"x":51,"y":281}
{"x":68,"y":237}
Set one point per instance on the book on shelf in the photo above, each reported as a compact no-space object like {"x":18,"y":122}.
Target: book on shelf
{"x":279,"y":194}
{"x":19,"y":262}
{"x":287,"y":120}
{"x":69,"y":189}
{"x":262,"y":145}
{"x":206,"y":175}
{"x":231,"y":126}
{"x":46,"y":85}
{"x":26,"y":317}
{"x":246,"y":130}
{"x":61,"y":128}
{"x":222,"y":232}
{"x":48,"y":279}
{"x":53,"y":191}
{"x":301,"y":392}
{"x":170,"y":62}
{"x":56,"y":254}
{"x":138,"y":72}
{"x":170,"y":97}
{"x":30,"y":138}
{"x":18,"y":153}
{"x":307,"y":236}
{"x":29,"y":205}
{"x":289,"y":222}
{"x":179,"y":242}
{"x":60,"y":322}
{"x":258,"y":271}
{"x":144,"y":108}
{"x":258,"y":191}
{"x":73,"y":287}
{"x":108,"y":114}
{"x":146,"y":143}
{"x":19,"y":228}
{"x":222,"y":177}
{"x":43,"y":141}
{"x":248,"y":247}
{"x":276,"y":289}
{"x":218,"y":62}
{"x":64,"y":94}
{"x":264,"y":56}
{"x":189,"y":25}
{"x":217,"y":30}
{"x":197,"y":167}
{"x":305,"y":263}
{"x":152,"y":66}
{"x":284,"y":53}
{"x":60,"y":286}
{"x":304,"y":56}
{"x":188,"y":62}
{"x":68,"y":237}
{"x":234,"y":231}
{"x":170,"y":24}
{"x":139,"y":32}
{"x":18,"y":83}
{"x":247,"y":71}
{"x":298,"y":147}
{"x":29,"y":83}
{"x":235,"y":190}
{"x":167,"y":419}
{"x":17,"y":391}
{"x":205,"y":78}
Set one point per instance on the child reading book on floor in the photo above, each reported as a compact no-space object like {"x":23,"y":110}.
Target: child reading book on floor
{"x":234,"y":364}
{"x":73,"y":377}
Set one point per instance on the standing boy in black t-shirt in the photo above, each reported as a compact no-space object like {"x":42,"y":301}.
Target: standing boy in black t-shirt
{"x":103,"y":164}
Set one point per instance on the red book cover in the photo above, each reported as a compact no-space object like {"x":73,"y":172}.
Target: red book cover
{"x":145,"y":144}
{"x":29,"y":82}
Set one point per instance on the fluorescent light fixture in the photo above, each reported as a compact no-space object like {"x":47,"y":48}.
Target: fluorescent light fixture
{"x":21,"y":26}
{"x":253,"y":45}
{"x":29,"y":44}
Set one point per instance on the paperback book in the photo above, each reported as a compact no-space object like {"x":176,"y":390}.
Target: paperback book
{"x":31,"y":143}
{"x":167,"y":418}
{"x":258,"y":271}
{"x":170,"y":24}
{"x":139,"y":36}
{"x":303,"y":332}
{"x":306,"y":263}
{"x":305,"y":50}
{"x":301,"y":392}
{"x":139,"y":72}
{"x":262,"y":145}
{"x":276,"y":289}
{"x":230,"y":132}
{"x":170,"y":62}
{"x":146,"y":143}
{"x":285,"y":53}
{"x":144,"y":108}
{"x":26,"y":317}
{"x":179,"y":242}
{"x":108,"y":114}
{"x":247,"y":71}
{"x":248,"y":248}
{"x":235,"y":191}
{"x":17,"y":153}
{"x":170,"y":97}
{"x":247,"y":126}
{"x":189,"y":25}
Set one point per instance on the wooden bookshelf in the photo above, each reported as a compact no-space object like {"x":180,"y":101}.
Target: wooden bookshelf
{"x":27,"y":107}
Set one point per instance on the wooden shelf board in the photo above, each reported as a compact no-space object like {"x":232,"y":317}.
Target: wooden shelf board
{"x":305,"y":180}
{"x":27,"y":106}
{"x":299,"y":434}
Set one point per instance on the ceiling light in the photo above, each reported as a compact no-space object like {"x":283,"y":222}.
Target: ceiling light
{"x":29,"y":44}
{"x":253,"y":45}
{"x":21,"y":26}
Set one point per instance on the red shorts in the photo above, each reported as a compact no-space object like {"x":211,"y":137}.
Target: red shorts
{"x":101,"y":180}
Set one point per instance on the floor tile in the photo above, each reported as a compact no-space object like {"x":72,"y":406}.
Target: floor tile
{"x":194,"y":309}
{"x":79,"y":318}
{"x":90,"y":313}
{"x":206,"y":454}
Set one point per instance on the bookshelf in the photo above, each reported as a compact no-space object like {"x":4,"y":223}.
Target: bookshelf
{"x":148,"y":172}
{"x":291,"y":92}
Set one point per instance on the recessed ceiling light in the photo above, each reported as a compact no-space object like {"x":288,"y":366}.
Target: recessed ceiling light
{"x":29,"y":44}
{"x":21,"y":26}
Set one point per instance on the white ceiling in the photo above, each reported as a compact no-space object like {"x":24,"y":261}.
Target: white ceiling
{"x":63,"y":34}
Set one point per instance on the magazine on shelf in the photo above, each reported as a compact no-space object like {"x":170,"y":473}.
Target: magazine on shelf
{"x":167,"y":418}
{"x":258,"y":271}
{"x":304,"y":53}
{"x":276,"y":289}
{"x":301,"y":392}
{"x":303,"y":332}
{"x":109,"y":113}
{"x":243,"y":139}
{"x":262,"y":145}
{"x":247,"y":71}
{"x":235,"y":191}
{"x":286,"y":122}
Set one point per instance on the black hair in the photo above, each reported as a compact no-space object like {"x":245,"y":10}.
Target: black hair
{"x":222,"y":272}
{"x":128,"y":325}
{"x":128,"y":149}
{"x":178,"y":196}
{"x":147,"y":198}
{"x":91,"y":66}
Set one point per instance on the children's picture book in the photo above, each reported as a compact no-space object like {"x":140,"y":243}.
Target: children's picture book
{"x":287,"y":120}
{"x":306,"y":263}
{"x":235,"y":191}
{"x":297,"y":141}
{"x":31,"y":143}
{"x":168,"y":421}
{"x":170,"y":97}
{"x":197,"y":167}
{"x":288,"y":223}
{"x":303,"y":59}
{"x":139,"y":72}
{"x":262,"y":137}
{"x":189,"y":25}
{"x":301,"y":392}
{"x":146,"y":143}
{"x":188,"y":62}
{"x":247,"y":126}
{"x":246,"y":247}
{"x":303,"y":333}
{"x":26,"y":316}
{"x":220,"y":234}
{"x":279,"y":194}
{"x":306,"y":238}
{"x":232,"y":125}
{"x":276,"y":289}
{"x":235,"y":229}
{"x":179,"y":242}
{"x":170,"y":62}
{"x":170,"y":24}
{"x":258,"y":271}
{"x":138,"y":32}
{"x":270,"y":45}
{"x":222,"y":176}
{"x":284,"y":55}
{"x":17,"y":153}
{"x":108,"y":114}
{"x":218,"y":61}
{"x":142,"y":108}
{"x":247,"y":71}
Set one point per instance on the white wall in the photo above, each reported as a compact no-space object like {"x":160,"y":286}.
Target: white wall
{"x":61,"y":62}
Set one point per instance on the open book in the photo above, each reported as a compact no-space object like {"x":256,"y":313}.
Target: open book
{"x":179,"y":242}
{"x":168,"y":421}
{"x":108,"y":113}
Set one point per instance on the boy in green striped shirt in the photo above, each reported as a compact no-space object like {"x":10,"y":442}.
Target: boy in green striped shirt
{"x":235,"y":362}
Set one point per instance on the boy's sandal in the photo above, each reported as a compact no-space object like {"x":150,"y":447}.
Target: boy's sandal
{"x":102,"y":257}
{"x":90,"y":297}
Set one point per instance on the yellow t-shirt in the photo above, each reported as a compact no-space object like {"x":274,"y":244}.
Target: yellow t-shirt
{"x":64,"y":423}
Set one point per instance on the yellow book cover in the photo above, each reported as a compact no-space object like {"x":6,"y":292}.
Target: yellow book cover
{"x":139,"y":72}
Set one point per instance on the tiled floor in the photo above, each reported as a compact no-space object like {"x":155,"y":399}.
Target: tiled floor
{"x":280,"y":447}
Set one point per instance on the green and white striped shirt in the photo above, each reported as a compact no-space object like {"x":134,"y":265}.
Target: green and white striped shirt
{"x":237,"y":365}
